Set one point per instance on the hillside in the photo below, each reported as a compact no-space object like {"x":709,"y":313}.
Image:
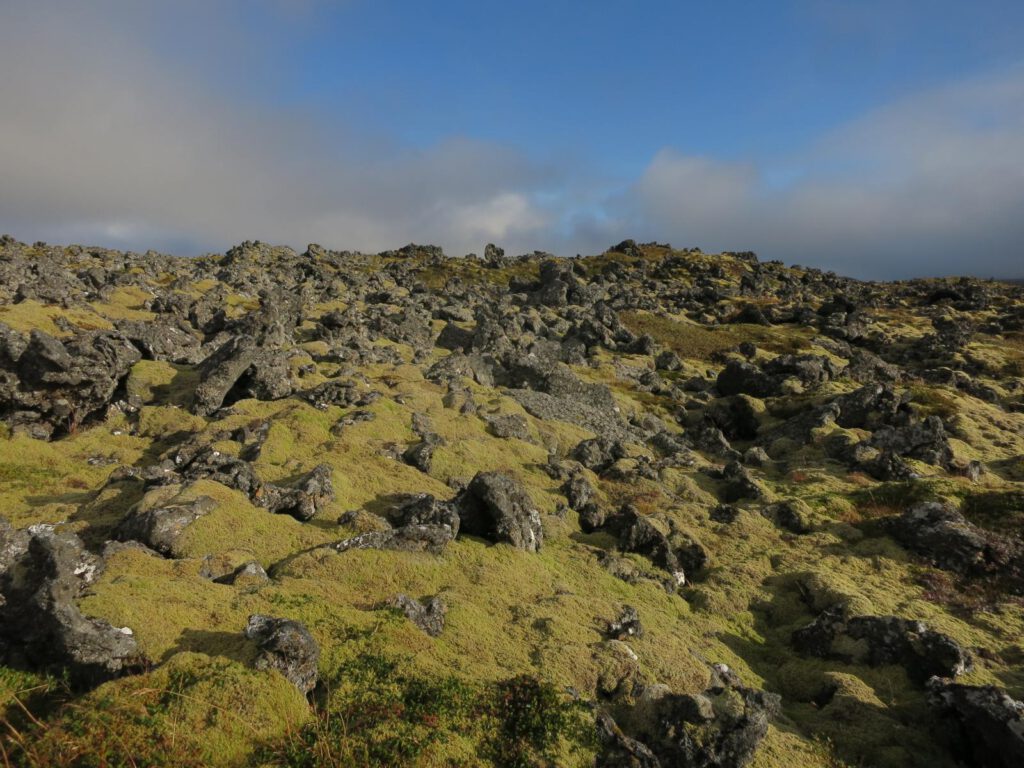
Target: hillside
{"x":651,"y":507}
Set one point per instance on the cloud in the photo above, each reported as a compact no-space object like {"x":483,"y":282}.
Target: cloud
{"x":101,"y":142}
{"x":105,"y":139}
{"x":931,"y":185}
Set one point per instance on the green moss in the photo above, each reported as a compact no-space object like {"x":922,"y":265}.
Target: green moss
{"x":162,"y":383}
{"x":193,"y":711}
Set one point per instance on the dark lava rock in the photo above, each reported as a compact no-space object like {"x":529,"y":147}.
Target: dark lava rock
{"x":163,"y":339}
{"x":739,"y":484}
{"x":203,"y":462}
{"x":160,"y":527}
{"x":582,"y":498}
{"x":248,"y":573}
{"x":870,"y":407}
{"x":343,"y":394}
{"x":668,"y":361}
{"x":207,"y":463}
{"x":428,"y":616}
{"x":924,"y":440}
{"x":496,"y":507}
{"x":406,"y":538}
{"x":721,"y":727}
{"x":599,"y":453}
{"x":424,"y":509}
{"x":241,"y":369}
{"x":944,"y":536}
{"x":620,"y":750}
{"x":987,"y":725}
{"x":882,"y":640}
{"x":302,"y":501}
{"x":42,"y":574}
{"x":627,"y":625}
{"x":286,"y":646}
{"x":421,"y":454}
{"x":680,"y":556}
{"x":787,"y":515}
{"x":510,"y":426}
{"x":54,"y":387}
{"x":740,"y":378}
{"x":724,"y":513}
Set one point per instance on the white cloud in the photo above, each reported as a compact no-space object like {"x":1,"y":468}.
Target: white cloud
{"x":932,"y":185}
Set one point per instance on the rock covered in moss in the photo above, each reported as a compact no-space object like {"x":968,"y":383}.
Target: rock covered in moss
{"x":627,"y":625}
{"x":876,"y":640}
{"x":248,"y":574}
{"x":675,"y":551}
{"x":790,"y":515}
{"x":428,"y":615}
{"x":42,"y":576}
{"x":160,"y":525}
{"x":498,"y":508}
{"x":620,"y":750}
{"x":303,"y":500}
{"x":509,"y":426}
{"x":988,"y":725}
{"x":720,"y":727}
{"x":942,"y":534}
{"x":286,"y":646}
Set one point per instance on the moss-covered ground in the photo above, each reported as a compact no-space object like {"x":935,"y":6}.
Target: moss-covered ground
{"x":519,"y":625}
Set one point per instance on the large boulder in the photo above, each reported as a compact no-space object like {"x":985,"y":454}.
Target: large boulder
{"x":42,"y":574}
{"x":496,"y":507}
{"x":159,"y":521}
{"x":286,"y":646}
{"x":672,"y":550}
{"x":720,"y":727}
{"x":984,"y":725}
{"x":924,"y":440}
{"x":53,"y":386}
{"x":163,"y":339}
{"x":945,"y":537}
{"x":876,"y":640}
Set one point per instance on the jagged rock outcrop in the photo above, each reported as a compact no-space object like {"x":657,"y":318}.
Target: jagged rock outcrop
{"x":876,"y":640}
{"x":721,"y":727}
{"x":42,"y":574}
{"x":496,"y":507}
{"x":287,"y":647}
{"x":51,"y":387}
{"x":984,"y":725}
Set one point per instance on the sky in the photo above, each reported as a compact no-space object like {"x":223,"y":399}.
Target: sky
{"x":877,"y":139}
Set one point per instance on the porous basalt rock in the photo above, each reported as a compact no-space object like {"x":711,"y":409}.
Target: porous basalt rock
{"x":42,"y":574}
{"x":496,"y":507}
{"x":876,"y":640}
{"x":720,"y":727}
{"x":287,"y":647}
{"x":987,"y":724}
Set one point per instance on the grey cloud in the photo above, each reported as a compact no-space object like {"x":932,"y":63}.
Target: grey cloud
{"x":932,"y":185}
{"x":99,"y":142}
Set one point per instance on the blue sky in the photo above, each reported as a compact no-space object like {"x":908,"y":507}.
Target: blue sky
{"x":880,"y":139}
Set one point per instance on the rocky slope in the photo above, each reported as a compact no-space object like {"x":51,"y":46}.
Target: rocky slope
{"x":653,"y":507}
